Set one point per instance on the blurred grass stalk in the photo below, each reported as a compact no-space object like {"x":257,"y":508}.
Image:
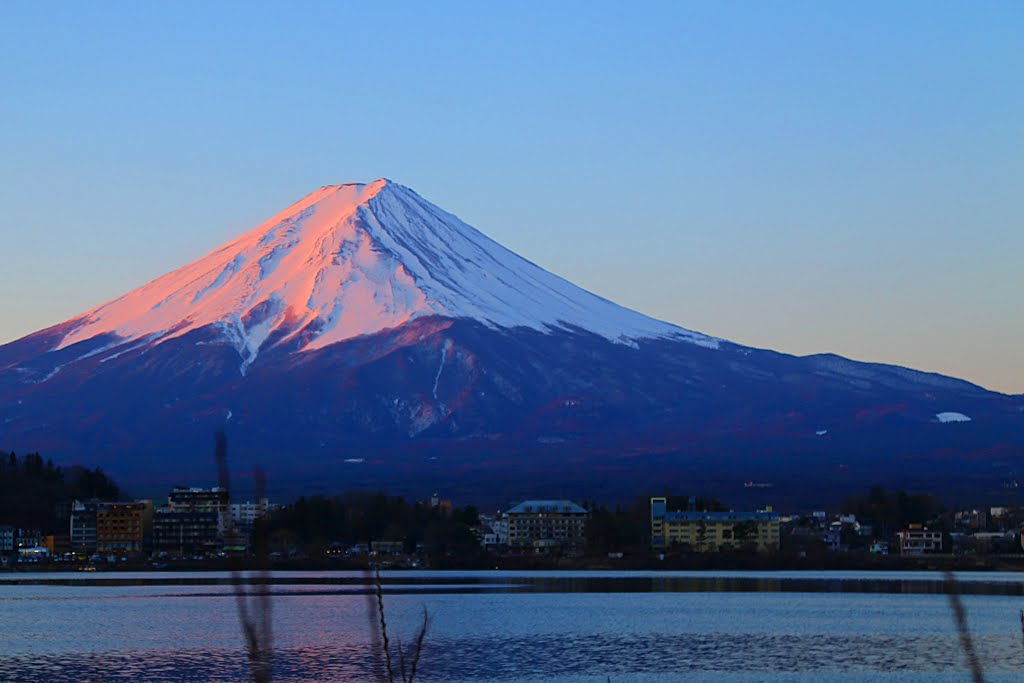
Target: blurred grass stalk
{"x":960,"y":620}
{"x":254,"y":606}
{"x":408,"y":657}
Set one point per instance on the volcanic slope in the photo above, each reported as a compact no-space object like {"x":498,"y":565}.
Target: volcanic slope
{"x":364,"y":336}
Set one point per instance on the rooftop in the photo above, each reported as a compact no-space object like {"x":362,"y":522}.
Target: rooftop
{"x":687,"y":516}
{"x":553,"y":506}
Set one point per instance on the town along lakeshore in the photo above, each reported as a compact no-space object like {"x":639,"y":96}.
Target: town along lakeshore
{"x":79,"y":519}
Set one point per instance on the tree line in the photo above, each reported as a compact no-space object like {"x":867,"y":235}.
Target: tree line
{"x":34,"y":493}
{"x":313,"y":523}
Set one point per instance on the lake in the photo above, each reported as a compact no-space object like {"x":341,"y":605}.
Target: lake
{"x":528,"y":627}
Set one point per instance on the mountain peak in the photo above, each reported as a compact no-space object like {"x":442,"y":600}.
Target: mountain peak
{"x":369,"y":189}
{"x":350,"y":260}
{"x":365,"y":191}
{"x":338,"y":199}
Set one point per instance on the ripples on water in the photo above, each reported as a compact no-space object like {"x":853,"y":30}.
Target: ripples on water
{"x":576,"y":658}
{"x":506,"y":631}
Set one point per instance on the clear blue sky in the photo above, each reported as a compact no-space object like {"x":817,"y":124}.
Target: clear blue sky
{"x":808,"y":177}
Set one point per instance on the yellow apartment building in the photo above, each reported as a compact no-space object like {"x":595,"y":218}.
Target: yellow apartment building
{"x":712,"y":531}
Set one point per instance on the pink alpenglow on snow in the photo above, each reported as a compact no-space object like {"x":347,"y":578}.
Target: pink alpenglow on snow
{"x":351,"y":260}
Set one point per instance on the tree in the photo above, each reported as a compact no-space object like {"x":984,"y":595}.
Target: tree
{"x":702,"y":535}
{"x":32,"y":488}
{"x":745,"y":534}
{"x":889,"y":511}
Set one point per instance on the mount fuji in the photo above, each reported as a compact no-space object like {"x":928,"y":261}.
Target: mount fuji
{"x":365,"y":337}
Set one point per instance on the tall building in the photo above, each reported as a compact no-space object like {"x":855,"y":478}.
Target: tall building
{"x":121,"y":528}
{"x":243,"y":522}
{"x":194,"y":499}
{"x":185,"y":534}
{"x":193,"y":523}
{"x":711,"y":531}
{"x":83,"y":526}
{"x":546,"y":523}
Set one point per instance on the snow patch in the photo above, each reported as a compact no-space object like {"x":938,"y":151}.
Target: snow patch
{"x":247,"y":341}
{"x":50,"y":374}
{"x":952,"y":417}
{"x":145,"y":340}
{"x":444,"y":355}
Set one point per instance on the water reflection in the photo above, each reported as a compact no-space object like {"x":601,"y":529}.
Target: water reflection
{"x":564,"y":582}
{"x":539,"y":628}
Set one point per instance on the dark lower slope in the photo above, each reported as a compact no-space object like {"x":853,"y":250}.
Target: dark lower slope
{"x":486,"y":414}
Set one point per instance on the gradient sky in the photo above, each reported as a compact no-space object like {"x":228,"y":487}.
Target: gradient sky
{"x":807,"y":177}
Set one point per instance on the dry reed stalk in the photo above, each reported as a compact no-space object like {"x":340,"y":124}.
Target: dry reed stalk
{"x":960,"y":619}
{"x":254,"y":611}
{"x":408,"y":658}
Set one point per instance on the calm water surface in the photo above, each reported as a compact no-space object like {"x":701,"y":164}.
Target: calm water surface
{"x":532,"y":627}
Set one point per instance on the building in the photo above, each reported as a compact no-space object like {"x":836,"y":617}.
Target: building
{"x":186,"y":534}
{"x":194,"y":499}
{"x":916,"y":540}
{"x":545,"y":524}
{"x":710,"y":531}
{"x":121,"y":528}
{"x":27,"y":538}
{"x":833,"y":537}
{"x":444,"y":507}
{"x":500,"y":527}
{"x":485,"y":534}
{"x":994,"y":541}
{"x":33,"y":554}
{"x":970,"y":520}
{"x":194,"y":522}
{"x":387,"y":547}
{"x":493,"y":531}
{"x":243,"y":522}
{"x":6,"y":540}
{"x":58,"y":545}
{"x":245,"y":514}
{"x":83,"y":526}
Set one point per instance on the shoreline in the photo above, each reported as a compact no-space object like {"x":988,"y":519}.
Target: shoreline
{"x":727,"y":563}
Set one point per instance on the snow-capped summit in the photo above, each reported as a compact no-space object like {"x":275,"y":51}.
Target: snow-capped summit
{"x":351,"y":260}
